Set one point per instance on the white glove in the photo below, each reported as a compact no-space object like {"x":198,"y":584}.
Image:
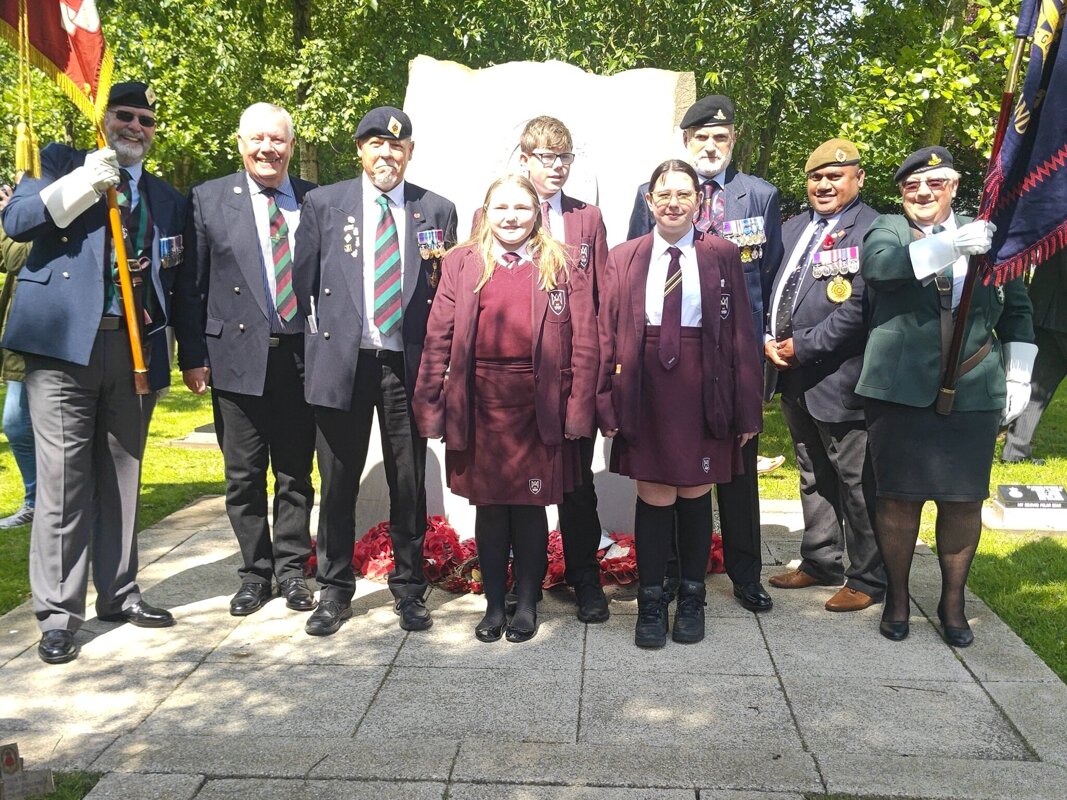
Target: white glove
{"x":76,"y":192}
{"x":1019,"y":363}
{"x":937,"y":251}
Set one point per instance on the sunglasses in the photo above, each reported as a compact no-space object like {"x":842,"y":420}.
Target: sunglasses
{"x":126,"y":116}
{"x":933,"y":184}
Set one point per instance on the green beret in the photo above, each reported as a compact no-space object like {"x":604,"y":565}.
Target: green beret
{"x":832,"y":153}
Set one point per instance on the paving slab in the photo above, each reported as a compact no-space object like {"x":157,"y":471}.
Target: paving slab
{"x":57,"y":751}
{"x":902,"y":717}
{"x":131,"y":786}
{"x":1039,"y":712}
{"x":732,"y":646}
{"x":413,"y":758}
{"x":636,"y":766}
{"x":243,"y":789}
{"x":937,"y":778}
{"x":494,"y":791}
{"x":244,"y":700}
{"x":18,"y":632}
{"x":649,"y":709}
{"x":85,"y":695}
{"x":521,"y":706}
{"x":211,"y":508}
{"x":267,"y":755}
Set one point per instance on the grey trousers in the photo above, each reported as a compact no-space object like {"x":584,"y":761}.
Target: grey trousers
{"x":837,"y":496}
{"x":90,"y":430}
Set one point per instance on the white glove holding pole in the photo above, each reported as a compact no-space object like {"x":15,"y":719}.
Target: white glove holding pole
{"x":76,"y":192}
{"x":1019,"y":364}
{"x":937,"y":251}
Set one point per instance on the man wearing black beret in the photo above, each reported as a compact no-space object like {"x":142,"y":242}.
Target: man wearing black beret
{"x":367,"y":263}
{"x":67,"y":318}
{"x":743,"y":209}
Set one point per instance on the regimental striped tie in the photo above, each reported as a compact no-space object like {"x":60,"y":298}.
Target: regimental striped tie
{"x":284,"y":296}
{"x":670,"y":332}
{"x":387,"y":295}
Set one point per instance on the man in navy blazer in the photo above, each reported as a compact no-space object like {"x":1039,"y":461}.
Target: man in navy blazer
{"x":239,"y":330}
{"x":89,"y":424}
{"x":365,"y":308}
{"x":743,"y":209}
{"x":814,"y":338}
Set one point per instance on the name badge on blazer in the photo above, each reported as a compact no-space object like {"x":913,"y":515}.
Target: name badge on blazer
{"x":171,"y":251}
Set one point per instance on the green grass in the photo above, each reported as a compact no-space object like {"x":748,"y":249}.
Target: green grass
{"x":1023,"y":577}
{"x":71,"y":786}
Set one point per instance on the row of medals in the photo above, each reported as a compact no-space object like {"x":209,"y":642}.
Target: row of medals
{"x":837,"y":264}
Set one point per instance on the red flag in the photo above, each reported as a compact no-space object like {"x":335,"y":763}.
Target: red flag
{"x":66,"y":42}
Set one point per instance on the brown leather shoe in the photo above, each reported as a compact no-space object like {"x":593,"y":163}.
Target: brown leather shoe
{"x":795,"y":579}
{"x":848,"y":599}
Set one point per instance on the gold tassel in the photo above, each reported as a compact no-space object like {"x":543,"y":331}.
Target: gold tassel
{"x":24,"y":149}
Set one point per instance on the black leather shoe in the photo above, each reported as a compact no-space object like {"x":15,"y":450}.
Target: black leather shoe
{"x":327,"y":618}
{"x":689,"y":616}
{"x":57,"y":647}
{"x":592,"y":604}
{"x":250,"y":598}
{"x":651,"y":628}
{"x":955,"y":637}
{"x":142,"y":615}
{"x":895,"y":631}
{"x":753,"y":596}
{"x":517,"y":635}
{"x":491,"y":628}
{"x":414,"y":616}
{"x":297,"y":594}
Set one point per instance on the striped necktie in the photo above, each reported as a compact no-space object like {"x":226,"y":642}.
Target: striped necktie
{"x":546,"y":211}
{"x":284,"y":296}
{"x":387,"y":295}
{"x":670,"y":331}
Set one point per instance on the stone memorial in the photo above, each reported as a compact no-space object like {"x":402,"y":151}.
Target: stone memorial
{"x":18,"y":783}
{"x":1027,"y":507}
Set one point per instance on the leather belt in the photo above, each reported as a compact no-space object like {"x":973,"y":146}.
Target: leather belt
{"x":110,"y":323}
{"x":381,"y":355}
{"x":278,"y":339}
{"x":273,"y":341}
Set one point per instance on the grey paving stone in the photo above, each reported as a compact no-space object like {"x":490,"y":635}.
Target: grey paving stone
{"x":131,"y":786}
{"x":901,"y":717}
{"x":86,"y":695}
{"x":61,"y":752}
{"x":806,"y":640}
{"x":709,"y":794}
{"x":1039,"y":711}
{"x":732,"y":646}
{"x":275,"y":635}
{"x":494,"y":791}
{"x":244,"y":789}
{"x":198,"y":514}
{"x":411,"y":758}
{"x":555,"y":601}
{"x":636,"y":766}
{"x":937,"y":778}
{"x":557,"y":645}
{"x":155,"y":543}
{"x":653,"y":709}
{"x":265,"y":755}
{"x":518,"y":705}
{"x":248,"y":699}
{"x":18,"y":632}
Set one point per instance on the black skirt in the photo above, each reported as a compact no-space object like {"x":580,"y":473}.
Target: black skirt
{"x":919,"y":454}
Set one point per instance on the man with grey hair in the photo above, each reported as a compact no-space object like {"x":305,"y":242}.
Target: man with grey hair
{"x":239,"y":331}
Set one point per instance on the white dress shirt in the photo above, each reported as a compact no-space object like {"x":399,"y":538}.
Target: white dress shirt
{"x":372,"y":337}
{"x":657,"y":277}
{"x":792,"y":265}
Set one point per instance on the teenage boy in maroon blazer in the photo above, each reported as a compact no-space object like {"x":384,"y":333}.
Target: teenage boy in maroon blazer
{"x":546,"y":156}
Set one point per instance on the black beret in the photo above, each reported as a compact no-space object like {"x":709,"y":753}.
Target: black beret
{"x":384,"y":121}
{"x":132,"y":93}
{"x":716,"y":109}
{"x":923,"y":160}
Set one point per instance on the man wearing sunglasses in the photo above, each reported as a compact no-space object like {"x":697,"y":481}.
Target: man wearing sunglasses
{"x":67,"y":319}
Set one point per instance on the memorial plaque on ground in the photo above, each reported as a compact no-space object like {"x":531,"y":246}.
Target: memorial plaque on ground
{"x":17,"y":783}
{"x":1027,"y":507}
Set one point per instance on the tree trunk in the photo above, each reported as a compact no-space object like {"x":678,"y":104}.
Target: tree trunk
{"x":932,"y":126}
{"x":309,"y":151}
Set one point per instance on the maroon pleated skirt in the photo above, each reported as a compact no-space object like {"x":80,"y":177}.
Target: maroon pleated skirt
{"x":674,"y":446}
{"x":505,"y":461}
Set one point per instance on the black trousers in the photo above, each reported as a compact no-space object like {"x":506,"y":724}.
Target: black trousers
{"x":275,"y":430}
{"x":739,"y":519}
{"x":342,"y":441}
{"x":579,"y":524}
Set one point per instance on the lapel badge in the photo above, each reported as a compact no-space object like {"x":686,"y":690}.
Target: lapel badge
{"x":236,"y":189}
{"x":417,"y":215}
{"x":535,"y":486}
{"x":583,"y":257}
{"x":724,"y":306}
{"x":351,"y":237}
{"x":557,"y":301}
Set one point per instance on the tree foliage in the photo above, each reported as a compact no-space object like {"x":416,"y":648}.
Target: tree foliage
{"x":889,"y":74}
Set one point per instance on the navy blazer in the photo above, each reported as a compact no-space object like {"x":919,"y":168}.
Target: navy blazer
{"x":220,"y":307}
{"x":60,"y":296}
{"x":828,"y":337}
{"x":325,"y":272}
{"x":746,"y":196}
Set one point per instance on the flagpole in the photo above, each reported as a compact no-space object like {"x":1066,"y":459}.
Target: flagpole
{"x":946,"y":395}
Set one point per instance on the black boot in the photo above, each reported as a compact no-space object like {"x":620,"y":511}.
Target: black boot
{"x":651,"y":630}
{"x":689,"y":618}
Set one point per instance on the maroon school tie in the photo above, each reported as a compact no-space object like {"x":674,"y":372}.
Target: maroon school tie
{"x":670,"y":331}
{"x":544,"y":218}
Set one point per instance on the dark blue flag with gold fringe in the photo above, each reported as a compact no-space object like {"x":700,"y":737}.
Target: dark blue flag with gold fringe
{"x":1025,"y":191}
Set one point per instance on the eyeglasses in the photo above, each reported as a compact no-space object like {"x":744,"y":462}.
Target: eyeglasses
{"x":126,"y":116}
{"x":549,"y":159}
{"x":683,"y":196}
{"x":933,"y":184}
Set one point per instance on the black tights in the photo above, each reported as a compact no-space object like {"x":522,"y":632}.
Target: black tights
{"x":653,"y":528}
{"x":522,"y":530}
{"x":958,"y":529}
